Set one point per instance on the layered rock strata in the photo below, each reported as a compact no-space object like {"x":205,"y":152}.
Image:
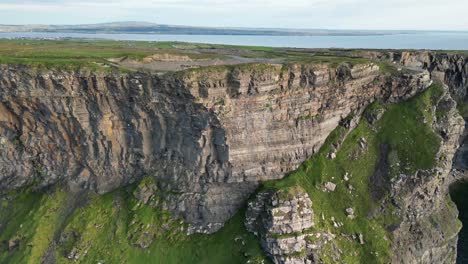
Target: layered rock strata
{"x":208,"y":136}
{"x":428,"y":229}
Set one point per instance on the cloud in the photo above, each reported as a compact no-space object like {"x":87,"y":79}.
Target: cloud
{"x":361,"y":14}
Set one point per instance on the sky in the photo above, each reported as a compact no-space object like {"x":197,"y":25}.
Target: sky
{"x":312,"y":14}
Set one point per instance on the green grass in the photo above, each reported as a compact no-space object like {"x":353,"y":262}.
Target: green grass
{"x":390,"y":69}
{"x":32,"y":218}
{"x":95,"y":54}
{"x":406,"y":128}
{"x":17,"y":222}
{"x":223,"y":71}
{"x":107,"y":228}
{"x":84,"y":53}
{"x":408,"y":137}
{"x":81,"y":53}
{"x":248,"y":48}
{"x":308,"y":57}
{"x":333,"y":60}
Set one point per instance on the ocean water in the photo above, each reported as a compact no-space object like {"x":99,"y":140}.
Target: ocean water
{"x":425,"y":40}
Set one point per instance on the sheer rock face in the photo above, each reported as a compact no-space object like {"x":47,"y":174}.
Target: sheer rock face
{"x":283,"y":115}
{"x":100,"y":132}
{"x":208,"y":136}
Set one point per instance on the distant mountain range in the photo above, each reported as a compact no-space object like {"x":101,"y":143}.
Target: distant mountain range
{"x":152,"y":28}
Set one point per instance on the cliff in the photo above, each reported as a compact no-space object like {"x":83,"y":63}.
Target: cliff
{"x":414,"y":219}
{"x":427,"y":198}
{"x":414,"y":207}
{"x":351,"y":162}
{"x":208,"y":136}
{"x":381,"y":199}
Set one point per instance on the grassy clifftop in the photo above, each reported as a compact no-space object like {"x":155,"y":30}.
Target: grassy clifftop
{"x":99,"y":54}
{"x":84,"y":53}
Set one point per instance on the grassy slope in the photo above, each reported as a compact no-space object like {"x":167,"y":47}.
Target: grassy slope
{"x":463,"y":108}
{"x":411,"y":141}
{"x":105,"y":229}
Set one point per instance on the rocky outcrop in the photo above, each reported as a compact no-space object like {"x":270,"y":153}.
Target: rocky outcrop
{"x":284,"y":221}
{"x":452,"y":69}
{"x":429,"y":228}
{"x":428,"y":233}
{"x":208,"y":136}
{"x":281,"y":220}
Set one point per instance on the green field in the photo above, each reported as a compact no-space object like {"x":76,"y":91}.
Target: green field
{"x":95,"y":54}
{"x":84,"y":53}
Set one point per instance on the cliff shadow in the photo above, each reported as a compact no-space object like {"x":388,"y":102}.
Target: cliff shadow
{"x":459,"y":194}
{"x":380,"y":179}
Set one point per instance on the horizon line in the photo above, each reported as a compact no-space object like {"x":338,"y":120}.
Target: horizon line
{"x":238,"y":27}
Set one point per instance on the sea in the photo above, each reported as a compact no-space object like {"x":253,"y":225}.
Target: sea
{"x":418,"y":40}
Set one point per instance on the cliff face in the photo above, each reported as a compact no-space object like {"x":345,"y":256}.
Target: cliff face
{"x":100,"y":132}
{"x":280,"y":116}
{"x":429,"y":231}
{"x":450,"y":68}
{"x":208,"y":136}
{"x":429,"y":228}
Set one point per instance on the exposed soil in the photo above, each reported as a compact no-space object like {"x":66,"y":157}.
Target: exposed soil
{"x":182,"y":64}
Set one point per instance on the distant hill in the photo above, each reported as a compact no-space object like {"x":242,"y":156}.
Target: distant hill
{"x":152,"y":28}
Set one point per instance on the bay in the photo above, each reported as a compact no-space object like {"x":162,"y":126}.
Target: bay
{"x":418,"y":40}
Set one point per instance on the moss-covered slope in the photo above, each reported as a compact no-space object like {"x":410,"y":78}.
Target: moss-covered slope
{"x":58,"y":227}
